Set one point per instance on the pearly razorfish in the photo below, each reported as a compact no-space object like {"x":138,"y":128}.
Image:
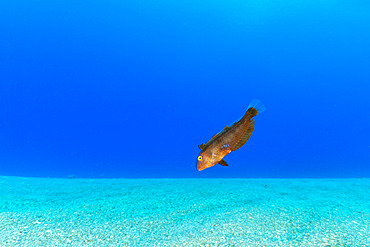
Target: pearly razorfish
{"x":229,"y":139}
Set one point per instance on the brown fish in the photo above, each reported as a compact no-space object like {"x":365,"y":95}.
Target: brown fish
{"x":229,"y":139}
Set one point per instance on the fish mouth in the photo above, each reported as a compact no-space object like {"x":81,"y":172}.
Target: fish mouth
{"x":203,"y":164}
{"x":200,"y":166}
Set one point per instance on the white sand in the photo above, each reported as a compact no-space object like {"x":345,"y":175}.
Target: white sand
{"x":184,"y":212}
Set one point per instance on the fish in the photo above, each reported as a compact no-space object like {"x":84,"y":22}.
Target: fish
{"x":229,"y":139}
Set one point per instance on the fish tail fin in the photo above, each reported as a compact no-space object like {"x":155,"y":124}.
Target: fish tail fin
{"x":256,"y":106}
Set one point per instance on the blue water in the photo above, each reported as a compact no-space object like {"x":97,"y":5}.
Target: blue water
{"x":131,"y":88}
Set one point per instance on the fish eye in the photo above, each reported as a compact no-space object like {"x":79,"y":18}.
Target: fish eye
{"x":200,"y":157}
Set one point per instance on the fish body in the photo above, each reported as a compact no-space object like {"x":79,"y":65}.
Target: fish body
{"x":229,"y":139}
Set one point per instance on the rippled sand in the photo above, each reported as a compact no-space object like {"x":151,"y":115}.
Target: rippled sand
{"x":184,"y":212}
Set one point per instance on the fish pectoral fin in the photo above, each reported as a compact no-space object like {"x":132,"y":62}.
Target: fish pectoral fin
{"x":245,"y":137}
{"x":201,"y":146}
{"x":223,"y":163}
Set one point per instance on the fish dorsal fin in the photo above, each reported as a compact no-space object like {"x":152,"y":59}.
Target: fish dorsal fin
{"x":213,"y":137}
{"x":245,"y":137}
{"x":223,"y":163}
{"x":219,"y":133}
{"x":201,"y":146}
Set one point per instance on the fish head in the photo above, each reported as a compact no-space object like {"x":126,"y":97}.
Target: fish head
{"x":203,"y":161}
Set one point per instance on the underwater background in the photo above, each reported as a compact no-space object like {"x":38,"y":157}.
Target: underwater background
{"x":129,"y":89}
{"x":119,"y":94}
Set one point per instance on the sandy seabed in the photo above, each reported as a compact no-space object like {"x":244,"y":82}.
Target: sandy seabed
{"x":184,"y":212}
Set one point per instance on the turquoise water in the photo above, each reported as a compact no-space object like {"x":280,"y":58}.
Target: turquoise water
{"x":184,"y":212}
{"x":129,"y":89}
